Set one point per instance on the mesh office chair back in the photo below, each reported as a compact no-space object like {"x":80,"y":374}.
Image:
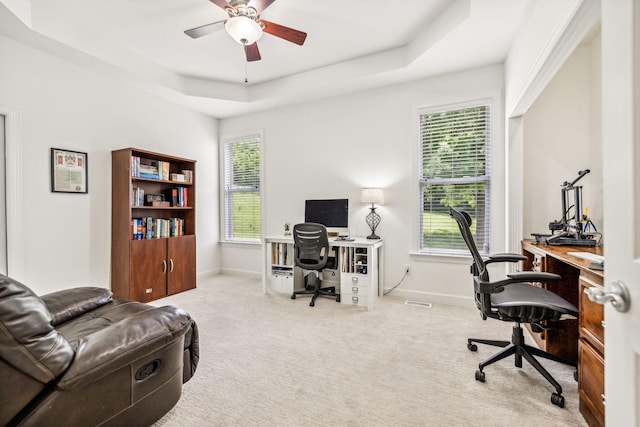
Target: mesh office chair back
{"x":311,"y":245}
{"x":478,"y":268}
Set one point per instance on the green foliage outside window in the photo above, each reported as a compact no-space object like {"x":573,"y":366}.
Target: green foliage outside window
{"x":454,"y":173}
{"x":242,"y":190}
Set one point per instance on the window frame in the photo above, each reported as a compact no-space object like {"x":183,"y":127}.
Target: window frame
{"x":226,"y":237}
{"x":493,"y":173}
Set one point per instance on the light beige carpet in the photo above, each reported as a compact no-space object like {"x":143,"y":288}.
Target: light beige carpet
{"x":267,"y":360}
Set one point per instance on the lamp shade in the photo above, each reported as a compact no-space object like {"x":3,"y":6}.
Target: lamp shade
{"x":372,"y":195}
{"x":244,"y":30}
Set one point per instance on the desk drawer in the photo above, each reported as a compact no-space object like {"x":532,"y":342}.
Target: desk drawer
{"x":591,"y":317}
{"x":352,"y":289}
{"x":591,"y":383}
{"x":359,"y":300}
{"x":355,"y":284}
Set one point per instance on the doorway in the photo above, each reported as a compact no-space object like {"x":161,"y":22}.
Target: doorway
{"x":3,"y":199}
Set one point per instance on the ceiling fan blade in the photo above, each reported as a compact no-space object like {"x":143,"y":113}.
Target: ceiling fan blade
{"x":260,"y":5}
{"x":220,"y":3}
{"x":205,"y":29}
{"x":252,"y":52}
{"x":289,"y":34}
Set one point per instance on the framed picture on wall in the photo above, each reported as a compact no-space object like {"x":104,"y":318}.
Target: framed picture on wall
{"x":68,"y":171}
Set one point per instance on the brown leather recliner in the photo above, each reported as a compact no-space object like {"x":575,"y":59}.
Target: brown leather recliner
{"x":79,"y":358}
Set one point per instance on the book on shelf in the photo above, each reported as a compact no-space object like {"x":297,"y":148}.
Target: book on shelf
{"x":182,"y":197}
{"x":177,"y":196}
{"x":178,"y":177}
{"x":137,"y":228}
{"x":148,"y":171}
{"x":171,"y":195}
{"x":137,"y":197}
{"x":280,"y":254}
{"x":150,"y":228}
{"x":161,"y":169}
{"x":188,"y":175}
{"x":135,"y":166}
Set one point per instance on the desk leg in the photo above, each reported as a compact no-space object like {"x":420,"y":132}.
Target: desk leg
{"x":266,"y":261}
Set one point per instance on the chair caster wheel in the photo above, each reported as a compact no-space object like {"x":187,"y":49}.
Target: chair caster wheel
{"x":479,"y":376}
{"x":472,"y":347}
{"x":293,"y":296}
{"x":338,"y":298}
{"x":312,"y":303}
{"x":575,"y":375}
{"x":557,"y":399}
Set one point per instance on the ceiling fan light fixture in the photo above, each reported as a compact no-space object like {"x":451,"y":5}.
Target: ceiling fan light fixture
{"x":243,"y":29}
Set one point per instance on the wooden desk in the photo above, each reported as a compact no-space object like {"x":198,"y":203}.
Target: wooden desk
{"x":581,"y":340}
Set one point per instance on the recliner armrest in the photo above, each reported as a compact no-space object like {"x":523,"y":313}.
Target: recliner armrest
{"x":533,"y":276}
{"x":122,"y":343}
{"x":69,"y":303}
{"x":505,"y":257}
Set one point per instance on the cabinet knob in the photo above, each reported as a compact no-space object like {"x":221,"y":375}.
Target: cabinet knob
{"x":354,"y":299}
{"x":354,"y":289}
{"x":354,"y":279}
{"x":164,"y":265}
{"x":171,"y":264}
{"x":148,"y":290}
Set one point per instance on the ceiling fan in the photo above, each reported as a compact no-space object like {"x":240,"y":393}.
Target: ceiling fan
{"x":245,"y":26}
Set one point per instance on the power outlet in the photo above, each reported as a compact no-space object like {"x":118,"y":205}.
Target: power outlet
{"x":407,"y":268}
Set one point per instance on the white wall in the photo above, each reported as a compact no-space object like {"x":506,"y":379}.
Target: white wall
{"x":544,"y":23}
{"x":562,"y":136}
{"x":67,"y":237}
{"x":333,"y":148}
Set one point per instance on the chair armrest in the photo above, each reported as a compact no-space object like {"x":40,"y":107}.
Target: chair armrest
{"x":505,"y":257}
{"x":516,"y":277}
{"x":117,"y":346}
{"x":533,"y":276}
{"x":69,"y":303}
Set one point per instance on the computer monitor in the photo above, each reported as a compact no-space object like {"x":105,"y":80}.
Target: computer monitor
{"x":328,"y":212}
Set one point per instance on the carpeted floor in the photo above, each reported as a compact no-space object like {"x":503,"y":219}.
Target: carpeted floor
{"x":267,"y":360}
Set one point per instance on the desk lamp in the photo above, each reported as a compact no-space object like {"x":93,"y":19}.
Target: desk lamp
{"x":373,"y":196}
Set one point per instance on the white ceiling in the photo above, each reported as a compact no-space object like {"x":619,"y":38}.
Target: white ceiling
{"x":351,"y":45}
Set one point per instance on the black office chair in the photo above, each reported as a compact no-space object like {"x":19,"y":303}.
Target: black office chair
{"x":514,"y":300}
{"x":311,"y":246}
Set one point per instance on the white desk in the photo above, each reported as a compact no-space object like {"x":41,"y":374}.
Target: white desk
{"x":359,"y":268}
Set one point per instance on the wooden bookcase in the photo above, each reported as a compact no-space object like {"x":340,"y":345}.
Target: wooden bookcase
{"x":146,"y":266}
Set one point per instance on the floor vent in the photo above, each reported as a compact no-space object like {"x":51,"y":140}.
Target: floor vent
{"x":418,"y":303}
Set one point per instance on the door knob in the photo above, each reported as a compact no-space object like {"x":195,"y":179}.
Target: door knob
{"x":618,"y":295}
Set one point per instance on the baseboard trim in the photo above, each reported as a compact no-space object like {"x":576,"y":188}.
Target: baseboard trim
{"x":240,"y":272}
{"x":433,"y":298}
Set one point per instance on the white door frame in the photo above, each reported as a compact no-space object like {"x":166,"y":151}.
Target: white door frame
{"x":13,"y":183}
{"x":621,"y":159}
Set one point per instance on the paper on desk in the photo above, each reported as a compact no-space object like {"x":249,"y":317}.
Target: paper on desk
{"x":588,"y":256}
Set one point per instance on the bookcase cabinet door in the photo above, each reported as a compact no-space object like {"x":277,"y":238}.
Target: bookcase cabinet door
{"x":148,"y":269}
{"x":181,"y":256}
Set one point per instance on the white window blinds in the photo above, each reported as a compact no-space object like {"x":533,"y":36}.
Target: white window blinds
{"x":454,"y":172}
{"x":242,"y":219}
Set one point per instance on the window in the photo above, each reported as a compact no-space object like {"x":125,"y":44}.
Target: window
{"x":455,"y":169}
{"x":242,"y":186}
